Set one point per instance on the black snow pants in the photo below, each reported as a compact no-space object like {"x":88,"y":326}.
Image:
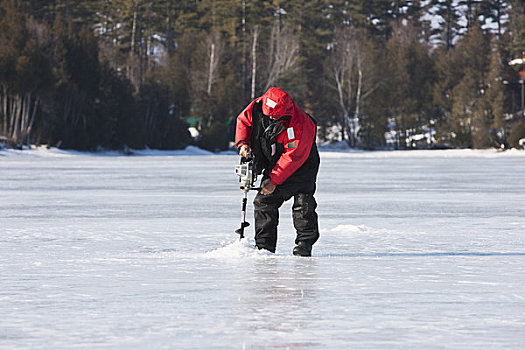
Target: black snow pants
{"x":266,"y":214}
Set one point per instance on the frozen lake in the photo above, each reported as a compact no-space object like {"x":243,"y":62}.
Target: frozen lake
{"x":418,"y":250}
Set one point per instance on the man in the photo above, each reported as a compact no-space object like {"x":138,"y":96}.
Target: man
{"x":282,"y":137}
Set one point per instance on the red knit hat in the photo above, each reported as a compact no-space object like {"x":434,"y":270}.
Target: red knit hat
{"x":277,"y":103}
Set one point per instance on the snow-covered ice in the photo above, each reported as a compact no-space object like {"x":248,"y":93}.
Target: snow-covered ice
{"x":418,"y":250}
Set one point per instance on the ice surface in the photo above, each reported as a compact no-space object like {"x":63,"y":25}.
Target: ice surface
{"x":418,"y":250}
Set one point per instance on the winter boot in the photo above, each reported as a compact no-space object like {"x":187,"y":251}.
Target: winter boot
{"x":303,"y":249}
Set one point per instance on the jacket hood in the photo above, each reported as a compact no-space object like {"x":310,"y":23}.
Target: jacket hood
{"x":276,"y":103}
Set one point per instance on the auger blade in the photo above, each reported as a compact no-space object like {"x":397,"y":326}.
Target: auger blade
{"x":240,"y":231}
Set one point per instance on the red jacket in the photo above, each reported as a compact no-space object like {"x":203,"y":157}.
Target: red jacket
{"x":297,"y":138}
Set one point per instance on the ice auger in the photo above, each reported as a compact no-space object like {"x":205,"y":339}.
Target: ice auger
{"x":247,"y":178}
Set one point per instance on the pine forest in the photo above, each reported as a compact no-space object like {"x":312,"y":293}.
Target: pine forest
{"x":377,"y":74}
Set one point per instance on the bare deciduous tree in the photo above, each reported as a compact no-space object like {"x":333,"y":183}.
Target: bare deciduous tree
{"x":352,"y":77}
{"x":283,"y":54}
{"x":206,"y":71}
{"x":19,"y":113}
{"x":344,"y":59}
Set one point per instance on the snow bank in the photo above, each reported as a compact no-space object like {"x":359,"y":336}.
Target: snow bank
{"x":332,"y":150}
{"x":188,"y":151}
{"x":43,"y":151}
{"x":449,"y":153}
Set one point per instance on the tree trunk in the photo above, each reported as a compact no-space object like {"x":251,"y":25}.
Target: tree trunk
{"x":499,"y":11}
{"x":211,"y":68}
{"x":244,"y":61}
{"x":339,"y":78}
{"x":170,"y":36}
{"x":32,"y":121}
{"x":254,"y":59}
{"x":449,"y":27}
{"x":67,"y":106}
{"x":67,"y":10}
{"x":5,"y":109}
{"x":16,"y":124}
{"x":133,"y":29}
{"x":24,"y":119}
{"x":131,"y":68}
{"x":355,"y":119}
{"x":10,"y":117}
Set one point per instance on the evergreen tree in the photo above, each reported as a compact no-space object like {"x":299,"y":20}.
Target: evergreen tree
{"x":468,"y":119}
{"x":495,"y":11}
{"x":110,"y":73}
{"x":515,"y":45}
{"x":471,"y":11}
{"x":77,"y":74}
{"x":494,"y":101}
{"x":25,"y":73}
{"x":411,"y":76}
{"x":446,"y":11}
{"x":120,"y":124}
{"x":516,"y":27}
